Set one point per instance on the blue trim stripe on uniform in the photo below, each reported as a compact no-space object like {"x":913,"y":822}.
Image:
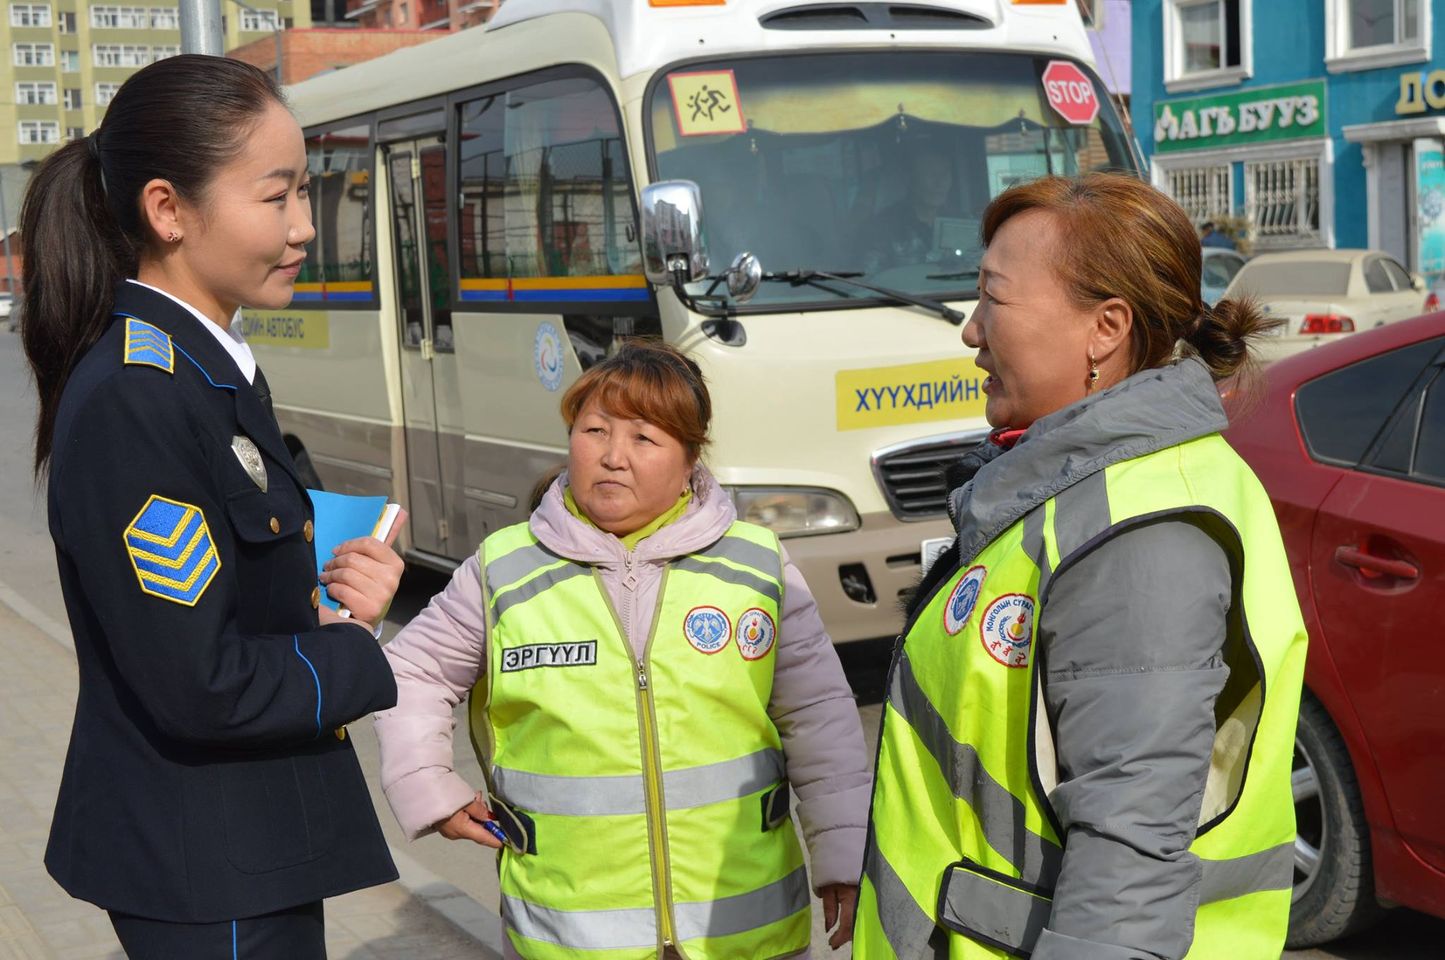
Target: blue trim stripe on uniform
{"x":296,"y":642}
{"x":218,"y":386}
{"x":234,"y":954}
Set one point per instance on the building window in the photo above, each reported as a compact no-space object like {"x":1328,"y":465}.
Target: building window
{"x":34,"y":54}
{"x":258,"y":21}
{"x":104,"y":93}
{"x":120,"y":55}
{"x":1366,"y":34}
{"x":165,"y":18}
{"x":65,"y":21}
{"x":72,"y":99}
{"x":1205,"y":193}
{"x":160,"y":53}
{"x":1282,"y":202}
{"x":34,"y":94}
{"x":120,"y":18}
{"x":70,"y":61}
{"x":1206,"y":43}
{"x":74,"y":133}
{"x":39,"y":131}
{"x":29,"y":14}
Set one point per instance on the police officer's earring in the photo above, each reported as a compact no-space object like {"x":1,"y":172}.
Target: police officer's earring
{"x":174,"y":237}
{"x":1093,"y":371}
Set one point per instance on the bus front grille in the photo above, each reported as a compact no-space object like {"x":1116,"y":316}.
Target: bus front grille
{"x":910,"y":474}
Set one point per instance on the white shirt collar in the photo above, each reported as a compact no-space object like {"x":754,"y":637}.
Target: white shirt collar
{"x":231,"y":339}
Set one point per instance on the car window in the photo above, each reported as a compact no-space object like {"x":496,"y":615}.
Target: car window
{"x":1220,"y":269}
{"x":1295,"y":278}
{"x":1430,"y":450}
{"x":1397,"y":273}
{"x":1341,"y":412}
{"x":1375,"y":276}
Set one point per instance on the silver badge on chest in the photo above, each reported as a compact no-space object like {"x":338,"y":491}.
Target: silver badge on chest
{"x":250,"y":458}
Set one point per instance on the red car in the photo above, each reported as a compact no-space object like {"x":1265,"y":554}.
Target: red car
{"x":1349,"y":440}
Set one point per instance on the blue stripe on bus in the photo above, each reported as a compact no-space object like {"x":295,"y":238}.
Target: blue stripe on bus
{"x":494,"y":296}
{"x":554,"y":296}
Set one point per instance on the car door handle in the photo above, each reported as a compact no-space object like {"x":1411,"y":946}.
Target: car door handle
{"x":1373,"y":566}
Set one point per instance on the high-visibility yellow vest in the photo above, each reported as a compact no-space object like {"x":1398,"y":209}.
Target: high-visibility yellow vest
{"x":962,"y":835}
{"x":655,"y":786}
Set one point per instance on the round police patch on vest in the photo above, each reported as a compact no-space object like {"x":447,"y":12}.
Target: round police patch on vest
{"x":1007,"y":629}
{"x":707,"y":629}
{"x":961,"y":601}
{"x":756,"y":633}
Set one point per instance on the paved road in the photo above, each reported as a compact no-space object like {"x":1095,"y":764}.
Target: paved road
{"x":38,"y":920}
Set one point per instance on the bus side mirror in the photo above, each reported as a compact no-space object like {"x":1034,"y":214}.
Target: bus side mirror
{"x":673,"y":249}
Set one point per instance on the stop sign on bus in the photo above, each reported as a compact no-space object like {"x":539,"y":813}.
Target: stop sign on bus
{"x":1070,"y":92}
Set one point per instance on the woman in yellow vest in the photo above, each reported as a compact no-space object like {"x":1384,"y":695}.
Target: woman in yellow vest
{"x":1087,"y":739}
{"x":649,"y":682}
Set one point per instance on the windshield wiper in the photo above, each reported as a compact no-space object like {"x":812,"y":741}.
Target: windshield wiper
{"x":956,"y":275}
{"x":819,"y":279}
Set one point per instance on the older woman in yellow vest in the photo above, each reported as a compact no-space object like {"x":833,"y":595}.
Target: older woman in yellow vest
{"x":649,"y":684}
{"x":1088,"y":733}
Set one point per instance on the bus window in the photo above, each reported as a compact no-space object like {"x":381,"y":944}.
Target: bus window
{"x":338,"y":269}
{"x":545,"y":197}
{"x":874,"y":163}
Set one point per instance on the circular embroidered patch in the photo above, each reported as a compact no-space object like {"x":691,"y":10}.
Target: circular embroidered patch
{"x":547,"y":356}
{"x":1007,"y":629}
{"x":961,"y":601}
{"x":756,"y":633}
{"x":707,"y":629}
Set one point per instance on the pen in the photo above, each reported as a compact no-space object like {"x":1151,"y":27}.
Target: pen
{"x":494,"y":830}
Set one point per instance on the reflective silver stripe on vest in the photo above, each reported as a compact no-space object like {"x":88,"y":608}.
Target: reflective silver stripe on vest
{"x":749,"y":554}
{"x":1000,"y":813}
{"x":1271,"y":869}
{"x":1034,"y":546}
{"x":616,"y":796}
{"x":517,"y":565}
{"x":905,"y":926}
{"x":503,"y":602}
{"x":637,"y":927}
{"x":733,"y":575}
{"x":746,"y":911}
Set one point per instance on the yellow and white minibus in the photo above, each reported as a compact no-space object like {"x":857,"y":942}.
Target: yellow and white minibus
{"x":789,"y":191}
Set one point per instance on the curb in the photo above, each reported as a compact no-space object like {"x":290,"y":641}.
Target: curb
{"x":446,"y":900}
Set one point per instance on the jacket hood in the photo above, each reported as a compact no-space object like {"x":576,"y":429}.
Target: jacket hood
{"x":1150,"y":411}
{"x":706,"y":519}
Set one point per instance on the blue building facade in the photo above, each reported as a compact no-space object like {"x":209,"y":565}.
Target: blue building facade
{"x":1307,"y":123}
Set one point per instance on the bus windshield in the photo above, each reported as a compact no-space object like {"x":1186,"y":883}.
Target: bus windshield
{"x":873,"y":165}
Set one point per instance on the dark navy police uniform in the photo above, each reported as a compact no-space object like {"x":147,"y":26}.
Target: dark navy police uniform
{"x":208,"y":784}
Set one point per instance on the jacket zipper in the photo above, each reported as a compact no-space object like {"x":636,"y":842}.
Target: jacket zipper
{"x":651,"y":759}
{"x":661,"y":869}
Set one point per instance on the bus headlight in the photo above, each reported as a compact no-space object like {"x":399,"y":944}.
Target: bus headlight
{"x":795,"y":511}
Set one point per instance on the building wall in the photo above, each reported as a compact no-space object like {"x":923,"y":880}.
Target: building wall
{"x":420,"y":14}
{"x":1289,"y":45}
{"x":81,"y":72}
{"x":305,"y":53}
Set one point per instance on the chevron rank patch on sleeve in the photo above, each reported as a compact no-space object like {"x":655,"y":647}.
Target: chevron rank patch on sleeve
{"x":148,"y":345}
{"x":171,"y":550}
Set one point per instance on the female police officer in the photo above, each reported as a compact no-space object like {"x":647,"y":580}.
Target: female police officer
{"x":210,"y":798}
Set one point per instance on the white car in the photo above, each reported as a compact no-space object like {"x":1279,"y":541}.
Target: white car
{"x":7,"y":305}
{"x":1322,"y":295}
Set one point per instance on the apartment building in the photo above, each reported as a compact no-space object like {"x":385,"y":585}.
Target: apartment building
{"x":62,"y":61}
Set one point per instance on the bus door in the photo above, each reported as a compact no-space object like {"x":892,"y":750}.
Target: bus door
{"x":416,"y":174}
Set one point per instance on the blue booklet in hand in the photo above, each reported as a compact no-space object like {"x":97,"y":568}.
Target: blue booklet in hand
{"x":340,"y":517}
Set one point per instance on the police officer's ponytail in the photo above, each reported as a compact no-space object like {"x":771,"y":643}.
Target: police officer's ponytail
{"x":178,"y":120}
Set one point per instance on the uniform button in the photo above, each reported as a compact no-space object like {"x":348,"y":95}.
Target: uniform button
{"x":309,"y":531}
{"x":275,"y":525}
{"x":341,"y":733}
{"x":315,"y":597}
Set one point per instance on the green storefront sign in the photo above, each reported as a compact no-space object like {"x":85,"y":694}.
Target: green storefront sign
{"x":1288,"y":111}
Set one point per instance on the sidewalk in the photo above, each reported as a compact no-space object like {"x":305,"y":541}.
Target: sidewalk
{"x":39,"y":921}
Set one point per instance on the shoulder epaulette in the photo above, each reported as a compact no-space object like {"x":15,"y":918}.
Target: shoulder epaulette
{"x":148,"y":345}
